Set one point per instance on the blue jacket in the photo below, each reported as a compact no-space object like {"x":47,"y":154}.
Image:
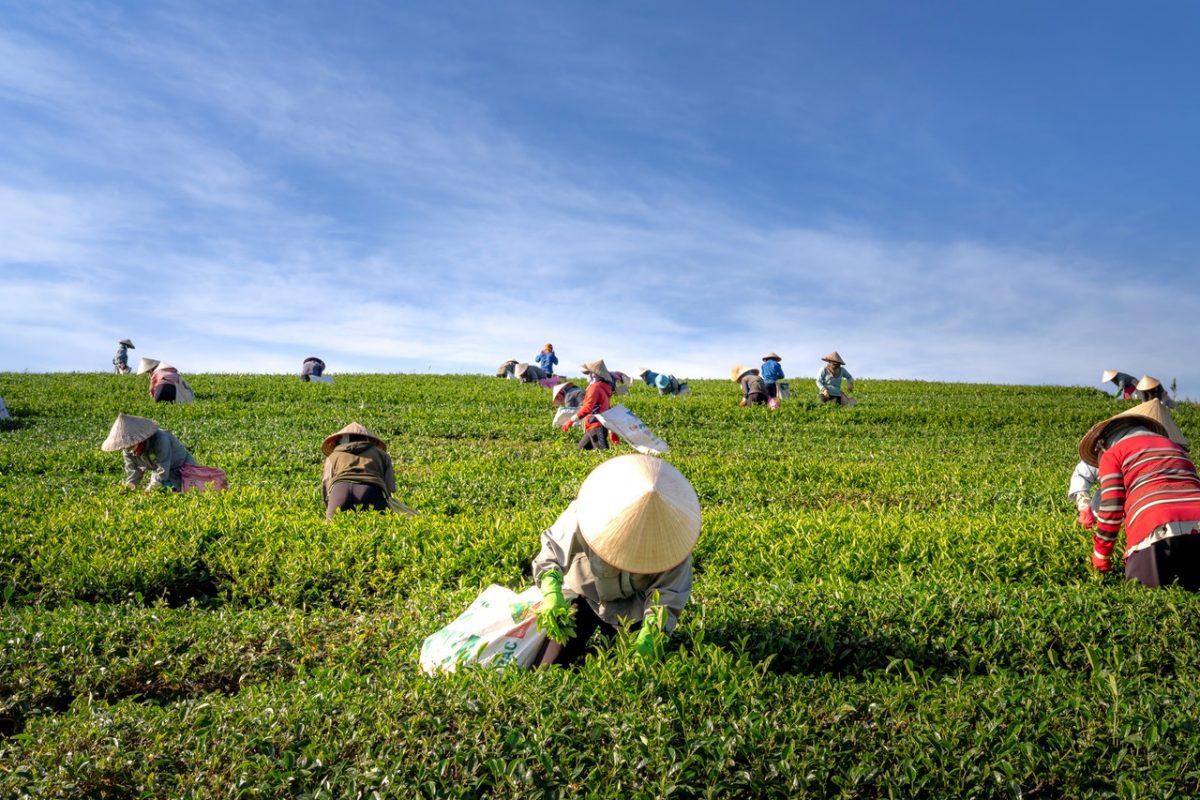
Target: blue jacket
{"x":547,"y":360}
{"x":771,"y":371}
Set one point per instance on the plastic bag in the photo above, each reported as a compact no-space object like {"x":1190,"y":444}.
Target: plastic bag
{"x":783,"y":390}
{"x":498,"y":629}
{"x":202,"y":479}
{"x":621,"y":421}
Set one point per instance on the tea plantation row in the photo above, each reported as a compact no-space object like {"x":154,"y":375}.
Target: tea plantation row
{"x":891,"y":600}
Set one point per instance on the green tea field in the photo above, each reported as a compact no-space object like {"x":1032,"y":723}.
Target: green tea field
{"x":891,"y":600}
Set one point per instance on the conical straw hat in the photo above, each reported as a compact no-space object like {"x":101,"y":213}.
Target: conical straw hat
{"x":353,"y":429}
{"x":127,"y":343}
{"x":834,"y":358}
{"x":771,"y":355}
{"x":597,"y":367}
{"x":1147,"y":383}
{"x":737,"y":373}
{"x":560,"y":388}
{"x":127,"y":431}
{"x":1107,"y":375}
{"x":147,"y":365}
{"x":1151,"y":412}
{"x":639,"y":514}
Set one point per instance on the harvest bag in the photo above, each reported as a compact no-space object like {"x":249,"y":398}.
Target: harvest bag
{"x":202,"y":478}
{"x":621,"y":421}
{"x":563,"y":414}
{"x":499,"y":628}
{"x":783,"y":390}
{"x":183,"y":392}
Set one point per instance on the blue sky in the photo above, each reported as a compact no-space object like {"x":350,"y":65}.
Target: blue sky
{"x":941,"y":191}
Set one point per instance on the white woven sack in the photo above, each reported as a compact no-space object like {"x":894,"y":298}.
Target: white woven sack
{"x":563,"y":414}
{"x":623,"y":422}
{"x":499,"y":628}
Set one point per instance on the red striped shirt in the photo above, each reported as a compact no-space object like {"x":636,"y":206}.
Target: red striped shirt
{"x":1146,"y":481}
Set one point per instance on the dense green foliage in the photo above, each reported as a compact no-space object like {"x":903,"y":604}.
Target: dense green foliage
{"x":891,"y":600}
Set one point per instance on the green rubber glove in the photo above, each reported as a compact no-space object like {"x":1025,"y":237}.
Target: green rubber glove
{"x":556,"y":616}
{"x":649,"y":642}
{"x":650,"y":638}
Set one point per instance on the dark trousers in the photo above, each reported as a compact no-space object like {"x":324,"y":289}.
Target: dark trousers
{"x":164,"y":393}
{"x":595,"y":439}
{"x":354,"y":497}
{"x":772,"y":390}
{"x":586,"y":623}
{"x":756,"y":399}
{"x":1168,"y":561}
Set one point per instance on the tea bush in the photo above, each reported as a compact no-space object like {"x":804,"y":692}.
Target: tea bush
{"x":891,"y":600}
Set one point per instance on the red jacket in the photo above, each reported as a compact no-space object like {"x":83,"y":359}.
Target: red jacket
{"x":1146,"y":481}
{"x":596,"y":400}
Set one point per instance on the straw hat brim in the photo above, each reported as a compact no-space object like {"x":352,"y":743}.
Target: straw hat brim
{"x":353,"y":429}
{"x":772,"y":356}
{"x":127,"y":431}
{"x":834,"y":358}
{"x":1107,"y":375}
{"x":639,"y":514}
{"x":1152,"y":413}
{"x":147,"y":365}
{"x":599,"y":368}
{"x":1147,"y":383}
{"x":127,"y":343}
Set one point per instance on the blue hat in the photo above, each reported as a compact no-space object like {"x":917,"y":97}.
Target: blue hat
{"x":662,"y":381}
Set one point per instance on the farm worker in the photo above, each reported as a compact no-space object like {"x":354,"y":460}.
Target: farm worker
{"x":1148,"y":483}
{"x":621,"y":382}
{"x":168,"y":386}
{"x":1150,"y":389}
{"x":1125,"y":383}
{"x":3,"y":409}
{"x":567,"y":395}
{"x":622,"y":549}
{"x":121,"y":359}
{"x":312,"y":367}
{"x":829,"y":380}
{"x":772,"y":373}
{"x":358,"y":471}
{"x":754,"y":391}
{"x":507,"y":369}
{"x":148,"y":448}
{"x":547,"y":359}
{"x":528,"y":373}
{"x":666,"y":384}
{"x":597,"y":399}
{"x":1079,"y":490}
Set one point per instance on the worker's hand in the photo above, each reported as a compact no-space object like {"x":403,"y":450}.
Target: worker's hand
{"x":131,"y":487}
{"x":1086,"y":518}
{"x":555,"y":615}
{"x":649,"y":642}
{"x":825,"y":393}
{"x":567,"y":425}
{"x":614,"y":438}
{"x":1101,"y":563}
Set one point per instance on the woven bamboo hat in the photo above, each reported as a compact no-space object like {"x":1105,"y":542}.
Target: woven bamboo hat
{"x":772,"y":356}
{"x":639,"y":514}
{"x":147,"y":365}
{"x":739,"y":372}
{"x":1147,"y":383}
{"x":833,"y":358}
{"x":1152,"y":413}
{"x":521,"y":369}
{"x":353,"y":429}
{"x":127,"y":431}
{"x":1107,"y":375}
{"x":597,"y":367}
{"x":641,"y":371}
{"x":558,"y":390}
{"x":127,"y":343}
